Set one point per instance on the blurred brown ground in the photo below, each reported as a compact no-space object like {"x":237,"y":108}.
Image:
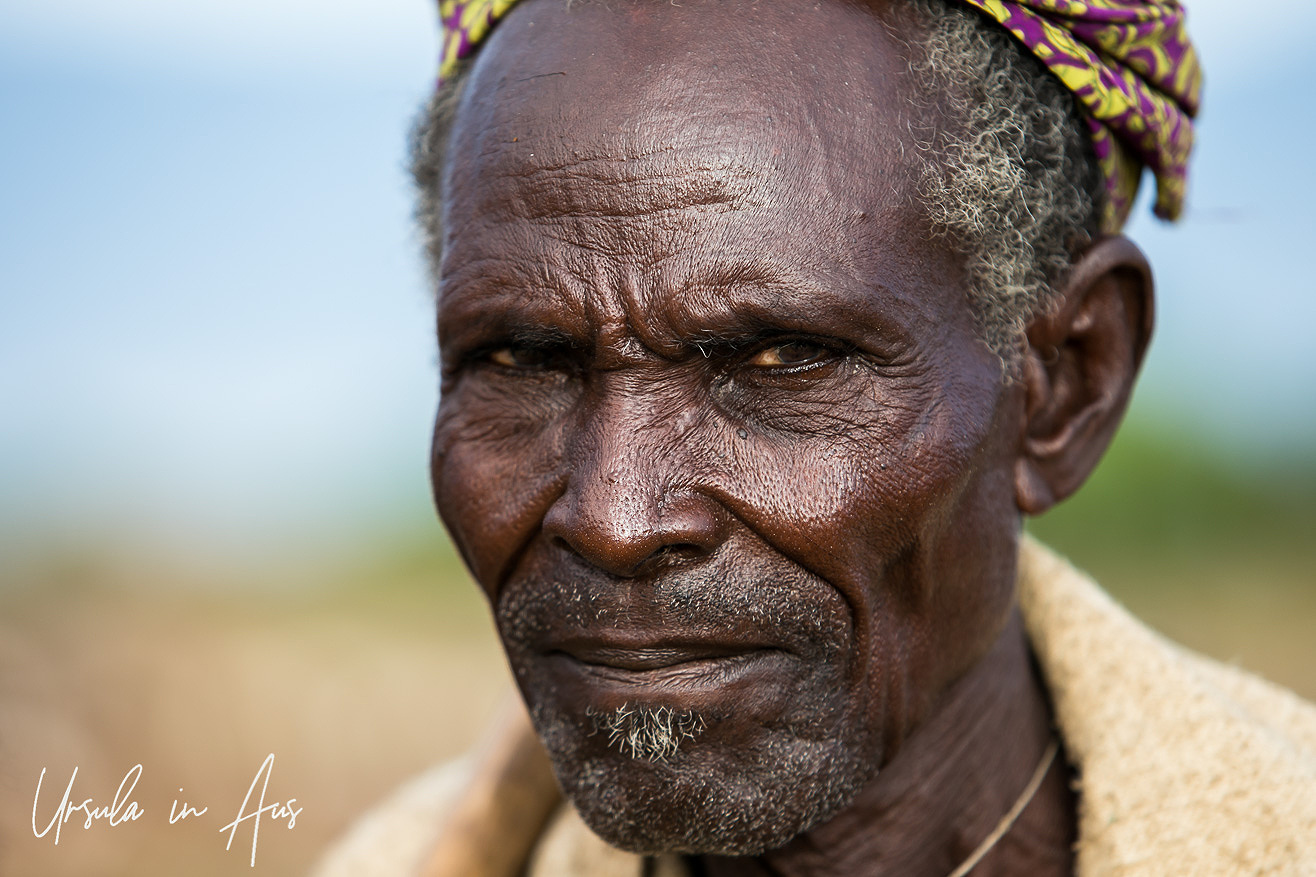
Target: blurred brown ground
{"x":352,"y":696}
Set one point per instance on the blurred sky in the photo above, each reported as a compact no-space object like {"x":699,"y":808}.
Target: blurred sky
{"x":214,"y":326}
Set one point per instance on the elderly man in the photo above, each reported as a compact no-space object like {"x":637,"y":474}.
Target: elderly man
{"x":762,"y":324}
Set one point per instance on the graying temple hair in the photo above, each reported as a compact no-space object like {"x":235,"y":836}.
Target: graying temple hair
{"x":1010,"y":179}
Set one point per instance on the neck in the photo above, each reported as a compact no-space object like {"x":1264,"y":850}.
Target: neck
{"x":947,"y":788}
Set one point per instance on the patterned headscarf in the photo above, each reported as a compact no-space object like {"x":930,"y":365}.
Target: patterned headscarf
{"x":1128,"y":63}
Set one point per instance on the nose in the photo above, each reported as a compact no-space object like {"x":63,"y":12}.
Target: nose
{"x":633,"y":501}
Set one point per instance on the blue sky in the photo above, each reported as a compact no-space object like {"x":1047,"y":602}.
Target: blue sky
{"x":214,"y":327}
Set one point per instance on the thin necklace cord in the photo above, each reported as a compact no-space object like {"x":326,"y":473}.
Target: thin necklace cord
{"x":1012,"y":816}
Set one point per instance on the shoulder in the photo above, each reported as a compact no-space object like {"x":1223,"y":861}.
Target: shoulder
{"x":1180,"y":759}
{"x":396,"y":837}
{"x":483,"y":814}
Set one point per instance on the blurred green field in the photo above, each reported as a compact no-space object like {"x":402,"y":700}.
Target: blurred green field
{"x":105,"y":662}
{"x":1219,"y":555}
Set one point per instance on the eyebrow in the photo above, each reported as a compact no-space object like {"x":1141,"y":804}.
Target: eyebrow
{"x":717,"y":308}
{"x":732,"y":319}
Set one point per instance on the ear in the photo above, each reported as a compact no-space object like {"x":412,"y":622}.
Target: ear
{"x":1078,"y":370}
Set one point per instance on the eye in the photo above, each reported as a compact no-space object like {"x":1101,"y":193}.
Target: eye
{"x":521,"y":356}
{"x":791,"y":354}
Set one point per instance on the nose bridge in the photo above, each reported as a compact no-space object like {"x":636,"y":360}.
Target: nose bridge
{"x":636,"y":426}
{"x":633,"y":493}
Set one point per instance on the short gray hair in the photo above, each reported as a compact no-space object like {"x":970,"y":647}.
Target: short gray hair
{"x":1010,"y":178}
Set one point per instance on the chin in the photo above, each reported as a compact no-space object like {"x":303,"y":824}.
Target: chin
{"x":727,"y":787}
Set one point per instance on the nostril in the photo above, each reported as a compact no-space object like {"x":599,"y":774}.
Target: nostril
{"x":616,"y":562}
{"x":679,"y":550}
{"x":671,"y":555}
{"x":626,"y":531}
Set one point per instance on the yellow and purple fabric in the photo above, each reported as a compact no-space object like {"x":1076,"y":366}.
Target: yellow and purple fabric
{"x":1131,"y":67}
{"x":1129,"y":64}
{"x":465,"y":25}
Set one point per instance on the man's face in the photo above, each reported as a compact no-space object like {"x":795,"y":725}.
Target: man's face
{"x":717,"y":437}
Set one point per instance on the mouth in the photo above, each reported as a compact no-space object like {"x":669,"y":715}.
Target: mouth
{"x":682,"y":665}
{"x":656,"y":657}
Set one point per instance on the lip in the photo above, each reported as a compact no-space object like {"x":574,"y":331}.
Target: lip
{"x":659,"y":667}
{"x":640,"y":658}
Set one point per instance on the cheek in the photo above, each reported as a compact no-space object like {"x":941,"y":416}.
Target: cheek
{"x":889,"y":511}
{"x":845,"y":497}
{"x":493,"y":478}
{"x":832,"y":491}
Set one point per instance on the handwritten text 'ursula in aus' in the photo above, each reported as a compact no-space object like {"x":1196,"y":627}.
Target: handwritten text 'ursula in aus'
{"x":124,"y":808}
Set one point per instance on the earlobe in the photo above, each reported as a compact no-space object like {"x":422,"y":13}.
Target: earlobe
{"x":1079,"y":365}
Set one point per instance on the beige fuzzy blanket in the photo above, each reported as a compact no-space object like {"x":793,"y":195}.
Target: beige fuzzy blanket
{"x":1186,"y":766}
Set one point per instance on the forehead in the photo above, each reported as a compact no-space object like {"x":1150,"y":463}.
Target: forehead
{"x":730,"y":88}
{"x":731,"y":132}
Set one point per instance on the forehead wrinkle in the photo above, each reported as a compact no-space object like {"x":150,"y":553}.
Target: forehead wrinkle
{"x":667,"y":138}
{"x":596,"y":182}
{"x":561,"y":143}
{"x":729,"y":264}
{"x":637,"y":93}
{"x":497,"y":285}
{"x":600,"y":295}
